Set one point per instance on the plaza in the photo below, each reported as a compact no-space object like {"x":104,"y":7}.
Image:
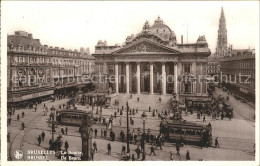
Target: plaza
{"x":235,"y":143}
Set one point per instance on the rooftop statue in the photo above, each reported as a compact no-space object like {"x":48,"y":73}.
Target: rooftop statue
{"x":146,"y":25}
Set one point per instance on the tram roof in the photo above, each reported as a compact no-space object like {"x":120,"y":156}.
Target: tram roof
{"x":73,"y":111}
{"x":185,"y":124}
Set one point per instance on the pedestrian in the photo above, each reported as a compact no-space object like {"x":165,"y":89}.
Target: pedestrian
{"x":109,"y":148}
{"x":95,"y":132}
{"x":187,"y":155}
{"x":22,"y":114}
{"x":123,"y":150}
{"x":9,"y":121}
{"x":158,"y":144}
{"x":50,"y":143}
{"x":222,"y":116}
{"x":152,"y":150}
{"x":102,"y":132}
{"x":92,"y":152}
{"x":138,"y":151}
{"x":216,"y":143}
{"x":138,"y":99}
{"x":143,"y":156}
{"x":209,"y":124}
{"x":149,"y":108}
{"x":18,"y":117}
{"x":66,"y":130}
{"x":254,"y":148}
{"x":39,"y":140}
{"x":171,"y":155}
{"x":95,"y":146}
{"x":22,"y":128}
{"x":42,"y":135}
{"x":204,"y":119}
{"x":120,"y":121}
{"x":8,"y":137}
{"x":178,"y":149}
{"x":62,"y":130}
{"x":35,"y":108}
{"x":66,"y":145}
{"x":105,"y":133}
{"x":133,"y":157}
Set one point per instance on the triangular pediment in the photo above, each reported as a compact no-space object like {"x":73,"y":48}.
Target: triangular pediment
{"x":145,"y":46}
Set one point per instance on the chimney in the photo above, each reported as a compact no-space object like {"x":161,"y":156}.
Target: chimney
{"x":30,"y":36}
{"x":181,"y":39}
{"x":45,"y":46}
{"x":231,"y":47}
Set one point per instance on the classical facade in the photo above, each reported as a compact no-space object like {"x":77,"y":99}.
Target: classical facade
{"x":153,"y":62}
{"x":239,"y":68}
{"x":35,"y":70}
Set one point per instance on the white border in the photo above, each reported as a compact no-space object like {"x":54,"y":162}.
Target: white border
{"x":4,"y":161}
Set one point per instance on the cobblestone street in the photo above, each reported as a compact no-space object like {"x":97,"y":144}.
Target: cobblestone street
{"x":235,"y":143}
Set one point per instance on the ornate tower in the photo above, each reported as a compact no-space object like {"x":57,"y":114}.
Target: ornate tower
{"x":222,"y":49}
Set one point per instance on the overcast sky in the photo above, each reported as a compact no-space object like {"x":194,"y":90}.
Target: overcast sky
{"x":81,"y":24}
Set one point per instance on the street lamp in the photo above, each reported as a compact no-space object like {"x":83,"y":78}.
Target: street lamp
{"x":52,"y":122}
{"x":144,"y":116}
{"x":97,"y":103}
{"x":127,"y":128}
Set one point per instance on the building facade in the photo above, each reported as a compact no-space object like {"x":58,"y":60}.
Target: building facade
{"x":153,"y":62}
{"x":35,"y":70}
{"x":239,"y":69}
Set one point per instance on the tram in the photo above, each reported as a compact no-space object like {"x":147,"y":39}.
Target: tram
{"x":71,"y":117}
{"x":187,"y":132}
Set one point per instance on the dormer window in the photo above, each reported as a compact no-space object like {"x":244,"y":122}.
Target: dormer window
{"x":21,"y":48}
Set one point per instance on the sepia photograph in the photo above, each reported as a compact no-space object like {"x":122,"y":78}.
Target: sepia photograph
{"x":129,"y":81}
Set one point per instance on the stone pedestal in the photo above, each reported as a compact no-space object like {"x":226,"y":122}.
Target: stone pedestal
{"x":86,"y":136}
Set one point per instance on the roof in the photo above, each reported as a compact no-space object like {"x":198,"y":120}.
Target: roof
{"x":24,"y":41}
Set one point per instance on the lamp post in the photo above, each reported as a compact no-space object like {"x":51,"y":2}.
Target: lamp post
{"x":127,"y":128}
{"x":144,"y":116}
{"x":52,"y":122}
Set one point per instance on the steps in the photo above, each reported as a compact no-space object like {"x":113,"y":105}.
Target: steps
{"x":145,"y":101}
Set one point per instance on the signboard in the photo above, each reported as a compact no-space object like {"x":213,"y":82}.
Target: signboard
{"x":34,"y":95}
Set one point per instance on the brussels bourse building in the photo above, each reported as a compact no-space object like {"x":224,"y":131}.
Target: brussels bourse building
{"x":36,"y":71}
{"x":152,"y":62}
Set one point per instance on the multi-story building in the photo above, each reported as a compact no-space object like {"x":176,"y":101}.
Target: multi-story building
{"x":238,"y":72}
{"x":213,"y":66}
{"x":153,"y":62}
{"x":35,"y":70}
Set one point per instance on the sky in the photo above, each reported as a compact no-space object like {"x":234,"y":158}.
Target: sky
{"x":82,"y":24}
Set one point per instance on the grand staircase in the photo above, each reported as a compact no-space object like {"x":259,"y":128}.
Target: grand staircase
{"x":145,"y":101}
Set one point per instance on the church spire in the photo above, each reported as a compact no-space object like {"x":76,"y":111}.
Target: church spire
{"x":222,"y":49}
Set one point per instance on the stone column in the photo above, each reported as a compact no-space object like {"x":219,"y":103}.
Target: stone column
{"x":175,"y":79}
{"x":127,"y":77}
{"x":163,"y":79}
{"x":138,"y":78}
{"x":151,"y":78}
{"x":116,"y":76}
